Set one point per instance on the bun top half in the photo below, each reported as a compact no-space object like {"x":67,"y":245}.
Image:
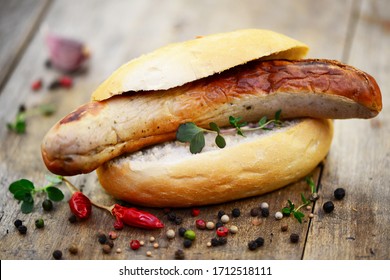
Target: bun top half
{"x":180,"y":63}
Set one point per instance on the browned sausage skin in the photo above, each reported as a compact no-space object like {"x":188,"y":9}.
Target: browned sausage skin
{"x":99,"y":131}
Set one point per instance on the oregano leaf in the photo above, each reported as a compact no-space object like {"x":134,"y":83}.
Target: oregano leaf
{"x":214,"y":127}
{"x":277,"y":115}
{"x":299,"y":215}
{"x":220,"y":141}
{"x":187,"y":132}
{"x":21,"y":185}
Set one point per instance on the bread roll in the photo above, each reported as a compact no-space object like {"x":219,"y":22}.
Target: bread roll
{"x":168,"y":175}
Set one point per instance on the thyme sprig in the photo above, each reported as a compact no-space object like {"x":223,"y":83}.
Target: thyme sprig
{"x":191,"y":133}
{"x":295,"y":211}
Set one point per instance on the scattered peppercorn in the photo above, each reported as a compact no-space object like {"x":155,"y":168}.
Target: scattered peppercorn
{"x":220,"y":213}
{"x":222,"y":231}
{"x":328,"y":206}
{"x":339,"y":193}
{"x":65,"y":81}
{"x":259,"y":241}
{"x":214,"y":242}
{"x":182,"y":231}
{"x":54,"y":85}
{"x":311,"y":215}
{"x":73,"y":249}
{"x":294,"y":238}
{"x":106,"y":249}
{"x":148,"y":253}
{"x":57,"y":254}
{"x":110,"y":243}
{"x":187,"y":243}
{"x":170,"y":234}
{"x":36,"y":85}
{"x":135,"y":244}
{"x":102,"y":239}
{"x":225,"y":219}
{"x":265,"y":212}
{"x":210,"y":225}
{"x":189,"y":234}
{"x":256,"y":221}
{"x":222,"y":240}
{"x":171,"y":216}
{"x":118,"y":251}
{"x":156,"y":245}
{"x":200,"y":224}
{"x":72,"y":219}
{"x":284,"y":227}
{"x":22,"y":229}
{"x":113,"y":235}
{"x":152,"y":239}
{"x":178,"y":220}
{"x":252,"y":245}
{"x":47,"y":205}
{"x":179,"y":254}
{"x":264,"y":205}
{"x":219,"y":224}
{"x":39,"y":223}
{"x":278,"y":215}
{"x":233,"y":229}
{"x":308,"y":207}
{"x":195,"y":212}
{"x":255,"y":212}
{"x":18,"y":223}
{"x":236,"y":212}
{"x":142,"y":243}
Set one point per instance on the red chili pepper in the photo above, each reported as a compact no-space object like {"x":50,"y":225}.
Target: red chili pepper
{"x":134,"y":217}
{"x":80,"y":205}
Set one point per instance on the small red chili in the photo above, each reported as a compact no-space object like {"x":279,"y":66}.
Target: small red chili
{"x":222,"y":231}
{"x":135,"y":244}
{"x":80,"y":205}
{"x":135,"y":217}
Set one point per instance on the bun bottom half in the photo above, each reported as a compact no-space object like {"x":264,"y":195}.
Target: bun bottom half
{"x":248,"y":168}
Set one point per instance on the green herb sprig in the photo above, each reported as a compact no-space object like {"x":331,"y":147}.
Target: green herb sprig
{"x":20,"y":122}
{"x":191,"y":133}
{"x":24,"y":191}
{"x":291,"y":209}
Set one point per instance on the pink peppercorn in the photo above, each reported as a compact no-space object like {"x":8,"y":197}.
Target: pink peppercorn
{"x":200,"y":224}
{"x":36,"y":85}
{"x":195,"y":212}
{"x":66,"y":81}
{"x":222,"y":231}
{"x":135,"y":244}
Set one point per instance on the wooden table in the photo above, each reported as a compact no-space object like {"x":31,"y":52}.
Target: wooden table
{"x":355,"y":32}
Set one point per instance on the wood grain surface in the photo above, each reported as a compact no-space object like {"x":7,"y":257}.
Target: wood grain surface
{"x":356,"y":32}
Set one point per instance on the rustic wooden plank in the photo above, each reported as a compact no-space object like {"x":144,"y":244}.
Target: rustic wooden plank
{"x":18,"y":22}
{"x":117,"y":31}
{"x":359,"y":159}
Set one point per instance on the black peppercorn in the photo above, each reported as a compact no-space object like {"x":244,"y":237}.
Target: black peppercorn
{"x":219,"y":224}
{"x":18,"y":223}
{"x":171,"y":216}
{"x":214,"y":242}
{"x":102,"y":239}
{"x":182,"y":231}
{"x":236,"y":212}
{"x":339,"y":193}
{"x":294,"y":238}
{"x":220,"y":213}
{"x":328,"y":206}
{"x":110,"y":243}
{"x":222,"y":240}
{"x":22,"y":229}
{"x":179,"y":254}
{"x":265,"y":212}
{"x":47,"y":205}
{"x":187,"y":243}
{"x":57,"y":254}
{"x":259,"y":241}
{"x":39,"y":223}
{"x":72,"y":219}
{"x":252,"y":245}
{"x":255,"y":212}
{"x":178,"y":220}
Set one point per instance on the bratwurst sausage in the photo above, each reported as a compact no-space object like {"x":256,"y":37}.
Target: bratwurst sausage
{"x":101,"y":130}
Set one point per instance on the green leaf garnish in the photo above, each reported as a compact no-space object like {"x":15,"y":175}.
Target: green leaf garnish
{"x":197,"y":143}
{"x":23,"y":190}
{"x":54,"y":194}
{"x":299,"y":215}
{"x":187,"y":131}
{"x":277,"y":115}
{"x":235,"y":122}
{"x":310,"y":182}
{"x":214,"y":127}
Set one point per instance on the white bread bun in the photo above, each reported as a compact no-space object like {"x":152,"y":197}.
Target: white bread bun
{"x":183,"y":62}
{"x":168,"y":175}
